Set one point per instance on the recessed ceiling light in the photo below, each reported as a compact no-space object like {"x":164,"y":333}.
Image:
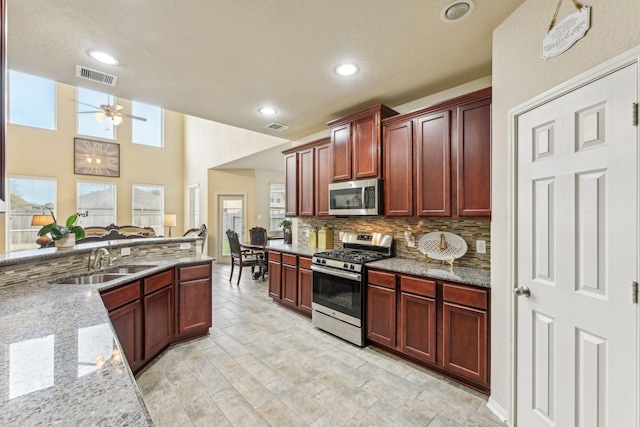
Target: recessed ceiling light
{"x":268,"y":111}
{"x":456,"y":11}
{"x":105,"y":58}
{"x":347,"y":69}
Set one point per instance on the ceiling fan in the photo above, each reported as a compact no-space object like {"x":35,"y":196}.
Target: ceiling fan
{"x":111,"y":111}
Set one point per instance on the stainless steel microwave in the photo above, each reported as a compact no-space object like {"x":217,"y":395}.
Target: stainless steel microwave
{"x":362,"y":197}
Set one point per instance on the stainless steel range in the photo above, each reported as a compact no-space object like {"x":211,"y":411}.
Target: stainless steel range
{"x":339,"y":287}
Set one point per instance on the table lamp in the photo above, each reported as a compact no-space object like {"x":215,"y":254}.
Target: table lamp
{"x":170,"y":220}
{"x":42,"y":220}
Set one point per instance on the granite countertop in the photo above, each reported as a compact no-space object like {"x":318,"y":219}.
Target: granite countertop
{"x":303,"y":250}
{"x":61,"y":361}
{"x":466,"y":275}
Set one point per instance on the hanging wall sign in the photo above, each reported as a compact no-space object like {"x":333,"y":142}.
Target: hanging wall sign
{"x":563,"y":35}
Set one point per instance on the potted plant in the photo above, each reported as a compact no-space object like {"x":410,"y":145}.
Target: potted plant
{"x":286,"y":231}
{"x":61,"y":234}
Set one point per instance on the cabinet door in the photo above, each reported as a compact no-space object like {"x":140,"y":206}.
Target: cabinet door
{"x":158,"y":321}
{"x":474,"y":159}
{"x":306,"y":196}
{"x":418,"y":326}
{"x":381,"y":315}
{"x":322,"y":179}
{"x":341,"y":152}
{"x":290,"y":284}
{"x":305,"y":290}
{"x":433,"y":176}
{"x":291,"y":184}
{"x":465,"y":341}
{"x":275,"y":277}
{"x":366,"y":147}
{"x":398,"y":169}
{"x":127,"y":323}
{"x":194,"y":308}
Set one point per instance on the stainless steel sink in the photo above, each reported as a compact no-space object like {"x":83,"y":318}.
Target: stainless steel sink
{"x":129,"y":269}
{"x":90,"y":279}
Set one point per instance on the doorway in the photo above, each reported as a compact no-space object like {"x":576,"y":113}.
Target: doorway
{"x":231,"y":215}
{"x":575,"y":254}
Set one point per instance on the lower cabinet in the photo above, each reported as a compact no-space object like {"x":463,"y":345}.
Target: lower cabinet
{"x":290,"y":281}
{"x":442,"y":325}
{"x":150,"y":314}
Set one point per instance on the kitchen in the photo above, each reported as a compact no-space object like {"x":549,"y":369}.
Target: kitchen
{"x":518,"y":74}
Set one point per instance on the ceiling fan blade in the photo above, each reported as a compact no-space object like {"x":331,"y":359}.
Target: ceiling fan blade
{"x":83,"y":103}
{"x":89,"y":112}
{"x":134,"y":117}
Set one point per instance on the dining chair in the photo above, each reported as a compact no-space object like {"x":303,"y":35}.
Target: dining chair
{"x":244,"y":257}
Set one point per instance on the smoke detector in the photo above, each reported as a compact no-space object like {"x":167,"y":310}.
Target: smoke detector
{"x":456,"y":11}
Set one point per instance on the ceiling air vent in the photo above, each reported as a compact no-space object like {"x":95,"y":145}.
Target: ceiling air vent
{"x":277,"y":126}
{"x":96,"y":76}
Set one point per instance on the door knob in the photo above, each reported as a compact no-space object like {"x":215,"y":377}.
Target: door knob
{"x":522,"y":290}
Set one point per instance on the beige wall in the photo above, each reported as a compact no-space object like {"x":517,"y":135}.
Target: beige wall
{"x":519,"y":74}
{"x":49,"y":153}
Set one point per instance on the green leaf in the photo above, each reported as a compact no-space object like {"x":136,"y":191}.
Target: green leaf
{"x":72,"y":220}
{"x":79,"y":231}
{"x":46,"y":229}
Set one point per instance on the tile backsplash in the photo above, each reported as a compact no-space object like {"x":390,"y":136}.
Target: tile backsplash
{"x":470,"y":230}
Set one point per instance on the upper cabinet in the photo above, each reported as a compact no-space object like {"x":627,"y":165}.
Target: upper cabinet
{"x":438,"y":160}
{"x":356,"y":144}
{"x":307,"y":178}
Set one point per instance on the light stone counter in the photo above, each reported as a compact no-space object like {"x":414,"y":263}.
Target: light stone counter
{"x":302,"y":250}
{"x":61,"y":362}
{"x":466,"y":275}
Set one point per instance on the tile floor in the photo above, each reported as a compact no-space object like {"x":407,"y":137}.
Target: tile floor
{"x":265,"y":365}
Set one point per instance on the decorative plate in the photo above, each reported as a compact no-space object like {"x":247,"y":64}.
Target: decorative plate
{"x":432,"y":245}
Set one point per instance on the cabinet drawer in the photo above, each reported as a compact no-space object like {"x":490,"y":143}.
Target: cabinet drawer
{"x":289,"y":259}
{"x":120,"y":296}
{"x":274,"y":256}
{"x":195,"y":272}
{"x":388,"y":280}
{"x":158,"y":281}
{"x":417,"y":286}
{"x":304,"y":262}
{"x":477,"y":298}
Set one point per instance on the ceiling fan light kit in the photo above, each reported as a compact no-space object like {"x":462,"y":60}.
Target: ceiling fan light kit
{"x":111,"y":111}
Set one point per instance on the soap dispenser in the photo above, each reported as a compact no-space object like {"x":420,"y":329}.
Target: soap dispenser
{"x":313,"y":238}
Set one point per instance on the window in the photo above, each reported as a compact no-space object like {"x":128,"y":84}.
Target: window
{"x":27,"y":198}
{"x":32,"y":101}
{"x":276,"y":206}
{"x":87,"y":123}
{"x":149,"y":132}
{"x":99,"y":199}
{"x":148,"y":207}
{"x":194,"y":206}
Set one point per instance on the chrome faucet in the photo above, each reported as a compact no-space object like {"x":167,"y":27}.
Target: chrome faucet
{"x":98,"y":255}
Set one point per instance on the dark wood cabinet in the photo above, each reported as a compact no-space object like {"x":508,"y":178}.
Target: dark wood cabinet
{"x":356,"y":144}
{"x":275,"y":275}
{"x":445,"y":150}
{"x":322,"y":178}
{"x":194,"y":301}
{"x":290,"y":279}
{"x":433,"y":178}
{"x":291,"y":184}
{"x":474,"y":159}
{"x":398,"y":172}
{"x":150,"y":314}
{"x":417,"y":323}
{"x":305,"y":285}
{"x":307,"y":177}
{"x":444,"y":326}
{"x":306,"y":194}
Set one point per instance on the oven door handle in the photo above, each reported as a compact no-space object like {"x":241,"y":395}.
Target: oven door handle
{"x":333,"y":272}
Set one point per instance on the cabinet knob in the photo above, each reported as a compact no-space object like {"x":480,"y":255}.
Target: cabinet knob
{"x":522,"y":290}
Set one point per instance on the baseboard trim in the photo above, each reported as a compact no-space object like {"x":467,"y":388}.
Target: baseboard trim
{"x":497,"y":410}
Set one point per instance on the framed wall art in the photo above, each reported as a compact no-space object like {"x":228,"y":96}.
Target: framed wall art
{"x":96,"y":158}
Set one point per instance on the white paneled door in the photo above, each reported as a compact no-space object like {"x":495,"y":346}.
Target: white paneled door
{"x":577,"y":253}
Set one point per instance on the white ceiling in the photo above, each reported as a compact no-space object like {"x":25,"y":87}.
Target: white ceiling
{"x":223,"y":59}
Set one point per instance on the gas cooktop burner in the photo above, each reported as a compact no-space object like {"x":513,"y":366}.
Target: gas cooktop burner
{"x":351,"y":255}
